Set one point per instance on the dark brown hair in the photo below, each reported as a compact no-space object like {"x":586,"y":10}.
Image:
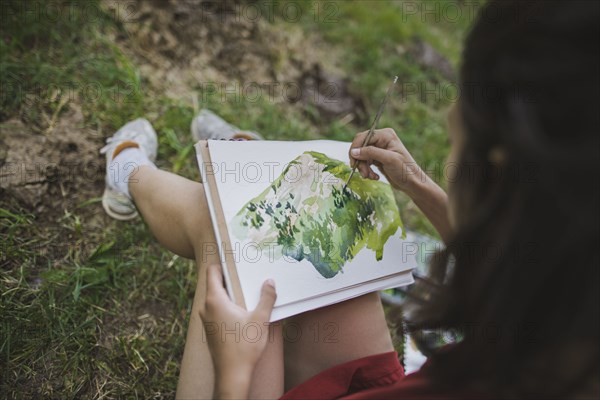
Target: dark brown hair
{"x":520,"y":278}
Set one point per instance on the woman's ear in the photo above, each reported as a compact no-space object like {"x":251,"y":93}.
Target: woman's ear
{"x":497,"y":156}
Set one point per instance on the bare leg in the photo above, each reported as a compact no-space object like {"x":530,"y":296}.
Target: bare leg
{"x":176,"y":211}
{"x":169,"y":203}
{"x":320,"y":339}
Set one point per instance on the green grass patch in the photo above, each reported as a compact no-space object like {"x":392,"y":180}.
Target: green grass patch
{"x":111,"y":322}
{"x":54,"y":52}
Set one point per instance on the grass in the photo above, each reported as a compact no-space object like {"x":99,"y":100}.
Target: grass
{"x":102,"y":312}
{"x":97,"y":320}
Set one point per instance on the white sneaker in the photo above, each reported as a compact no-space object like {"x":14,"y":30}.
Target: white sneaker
{"x":116,"y":203}
{"x":208,"y":125}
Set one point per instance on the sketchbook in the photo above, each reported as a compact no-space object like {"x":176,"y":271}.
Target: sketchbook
{"x":280,"y":210}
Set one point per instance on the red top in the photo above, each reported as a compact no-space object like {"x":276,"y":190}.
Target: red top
{"x":379,"y":376}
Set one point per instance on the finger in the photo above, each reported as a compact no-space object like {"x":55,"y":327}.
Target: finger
{"x":385,"y":157}
{"x":359,"y":139}
{"x":380,"y":138}
{"x":373,"y":175}
{"x":268,"y":296}
{"x":358,"y":142}
{"x":364,"y":169}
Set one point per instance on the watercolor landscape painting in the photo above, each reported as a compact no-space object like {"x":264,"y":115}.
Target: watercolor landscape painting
{"x":306,"y":214}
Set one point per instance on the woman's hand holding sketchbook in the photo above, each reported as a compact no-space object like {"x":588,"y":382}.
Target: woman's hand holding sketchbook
{"x":281,"y":211}
{"x":244,"y":354}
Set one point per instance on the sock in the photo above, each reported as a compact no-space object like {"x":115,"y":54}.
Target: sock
{"x":128,"y":160}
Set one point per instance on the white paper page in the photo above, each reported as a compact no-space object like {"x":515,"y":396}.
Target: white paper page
{"x":287,"y":310}
{"x":243,"y":170}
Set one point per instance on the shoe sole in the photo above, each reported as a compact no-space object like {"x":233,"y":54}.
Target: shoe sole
{"x":236,"y":132}
{"x":114,"y":214}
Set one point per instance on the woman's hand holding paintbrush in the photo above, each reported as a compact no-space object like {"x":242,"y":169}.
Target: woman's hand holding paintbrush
{"x":369,"y":135}
{"x":384,"y":149}
{"x":387,"y":152}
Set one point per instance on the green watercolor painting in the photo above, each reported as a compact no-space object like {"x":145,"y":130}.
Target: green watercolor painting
{"x":305,"y":215}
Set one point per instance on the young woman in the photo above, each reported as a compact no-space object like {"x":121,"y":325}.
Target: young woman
{"x":519,"y":278}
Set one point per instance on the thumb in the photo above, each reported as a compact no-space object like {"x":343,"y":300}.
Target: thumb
{"x":265,"y":305}
{"x":368,"y":153}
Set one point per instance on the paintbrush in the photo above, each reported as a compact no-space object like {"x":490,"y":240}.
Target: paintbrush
{"x":372,"y":130}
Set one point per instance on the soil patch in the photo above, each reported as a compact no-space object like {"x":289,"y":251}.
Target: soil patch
{"x":185,"y":46}
{"x":52,"y":176}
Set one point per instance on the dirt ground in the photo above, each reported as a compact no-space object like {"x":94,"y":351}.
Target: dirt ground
{"x":182,"y":46}
{"x":52,"y":175}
